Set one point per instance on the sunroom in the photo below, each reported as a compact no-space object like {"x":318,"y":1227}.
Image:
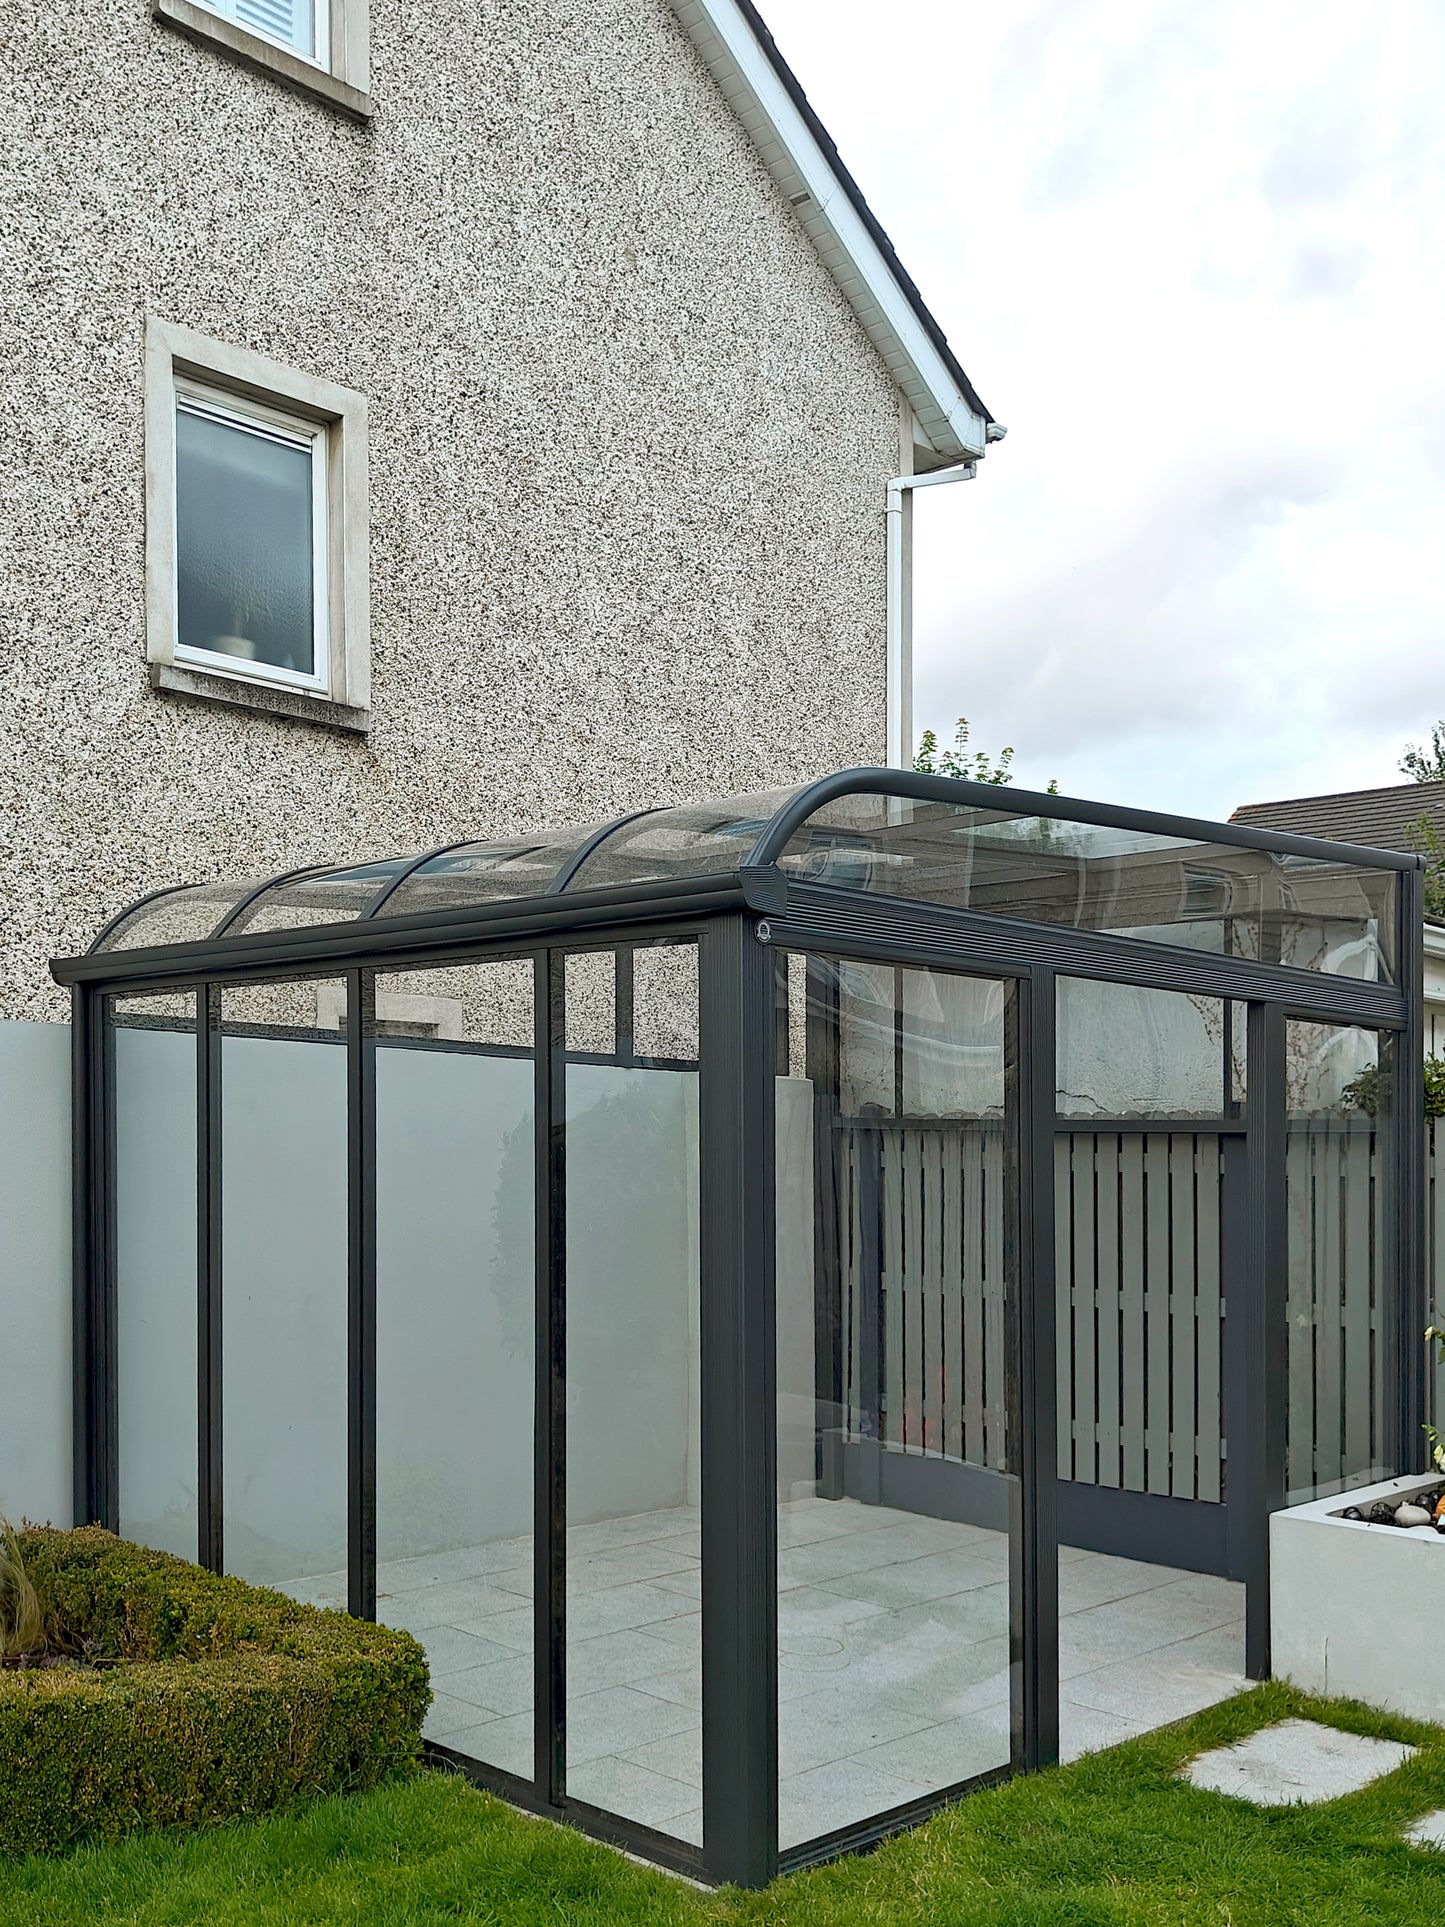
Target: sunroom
{"x":803,"y":1303}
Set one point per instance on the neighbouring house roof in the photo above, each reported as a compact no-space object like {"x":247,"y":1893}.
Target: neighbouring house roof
{"x":765,"y":95}
{"x":1387,"y":818}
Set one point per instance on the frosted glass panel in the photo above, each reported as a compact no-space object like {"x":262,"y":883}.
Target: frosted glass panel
{"x":634,"y":1654}
{"x":1125,"y":1052}
{"x":244,"y":560}
{"x":454,"y":1370}
{"x":284,"y":1256}
{"x":155,"y":1212}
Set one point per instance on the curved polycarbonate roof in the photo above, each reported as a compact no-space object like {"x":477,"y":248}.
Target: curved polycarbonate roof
{"x":966,"y":846}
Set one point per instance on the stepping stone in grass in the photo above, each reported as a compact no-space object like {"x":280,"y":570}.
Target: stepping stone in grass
{"x":1429,"y":1832}
{"x":1296,"y":1763}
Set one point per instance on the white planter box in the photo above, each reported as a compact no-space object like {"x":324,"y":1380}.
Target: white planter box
{"x":1354,"y":1608}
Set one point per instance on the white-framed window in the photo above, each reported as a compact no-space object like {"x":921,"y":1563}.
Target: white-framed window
{"x":301,"y":26}
{"x":250,"y":539}
{"x":256,"y":531}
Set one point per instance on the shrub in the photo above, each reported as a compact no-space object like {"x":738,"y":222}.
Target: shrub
{"x":205,"y":1698}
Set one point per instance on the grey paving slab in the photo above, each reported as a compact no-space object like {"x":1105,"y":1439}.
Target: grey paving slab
{"x":621,"y":1786}
{"x":462,"y":1601}
{"x":501,"y":1687}
{"x":840,"y":1723}
{"x":450,"y":1651}
{"x":893,"y":1656}
{"x":508,"y":1744}
{"x":937,"y":1575}
{"x":395,"y":1576}
{"x":683,"y":1688}
{"x":836,"y":1795}
{"x":618,"y":1721}
{"x":626,"y":1565}
{"x":1099,"y":1578}
{"x":806,"y":1608}
{"x":618,"y":1659}
{"x":1085,"y":1729}
{"x":1428,"y":1831}
{"x":1152,"y":1691}
{"x":678,"y":1757}
{"x":448,"y":1715}
{"x":513,"y":1628}
{"x":1296,"y":1762}
{"x":615,"y":1609}
{"x":681,"y":1629}
{"x":940,"y":1756}
{"x":1220,"y":1650}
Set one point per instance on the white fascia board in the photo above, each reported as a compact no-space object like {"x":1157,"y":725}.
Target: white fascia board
{"x":798,"y":164}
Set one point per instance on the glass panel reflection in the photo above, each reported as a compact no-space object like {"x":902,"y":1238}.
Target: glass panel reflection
{"x":1341,"y":1299}
{"x":1312,"y":914}
{"x":482,"y":872}
{"x":893,"y":1455}
{"x":699,"y":839}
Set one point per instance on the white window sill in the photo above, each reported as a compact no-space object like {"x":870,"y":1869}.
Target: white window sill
{"x":198,"y":23}
{"x":292,"y":705}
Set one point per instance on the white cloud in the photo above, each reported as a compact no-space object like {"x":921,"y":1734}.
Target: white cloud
{"x":1195,"y":259}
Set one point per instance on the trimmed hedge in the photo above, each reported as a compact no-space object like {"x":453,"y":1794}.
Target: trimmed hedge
{"x":228,"y":1700}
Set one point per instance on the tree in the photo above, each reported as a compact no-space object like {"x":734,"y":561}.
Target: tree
{"x":1426,"y":766}
{"x":1425,"y":840}
{"x":964,"y":764}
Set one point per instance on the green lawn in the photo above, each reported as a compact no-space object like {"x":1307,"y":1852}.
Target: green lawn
{"x":1113,"y":1839}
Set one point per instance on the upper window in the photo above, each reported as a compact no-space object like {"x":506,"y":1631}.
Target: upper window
{"x":251,"y":523}
{"x":320,"y":48}
{"x":301,"y":25}
{"x":256,"y":541}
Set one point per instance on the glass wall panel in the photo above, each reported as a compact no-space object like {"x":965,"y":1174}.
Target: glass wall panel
{"x":1313,"y":914}
{"x":455,"y":1162}
{"x":284,"y":1286}
{"x":1149,"y":1628}
{"x":155,"y":1258}
{"x":893,"y":1429}
{"x":1127,"y":1052}
{"x":634,"y":1661}
{"x":1341,"y":1287}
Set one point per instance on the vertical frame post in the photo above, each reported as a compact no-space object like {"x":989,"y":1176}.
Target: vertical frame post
{"x":549,"y":1519}
{"x":210,"y":1505}
{"x":361,"y":1292}
{"x":1030,"y":1103}
{"x":1257,"y":1438}
{"x":737,"y":1103}
{"x":94,"y":1485}
{"x":1407,"y":1157}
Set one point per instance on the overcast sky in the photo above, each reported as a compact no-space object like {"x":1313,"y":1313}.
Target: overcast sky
{"x":1194,"y":258}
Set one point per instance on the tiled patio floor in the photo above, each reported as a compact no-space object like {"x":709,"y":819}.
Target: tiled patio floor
{"x":893,"y":1654}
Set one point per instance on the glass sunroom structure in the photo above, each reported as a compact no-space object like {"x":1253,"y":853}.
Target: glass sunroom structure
{"x":803,"y":1303}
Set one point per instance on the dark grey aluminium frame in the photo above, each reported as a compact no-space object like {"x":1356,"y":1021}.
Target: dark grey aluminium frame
{"x":741,"y":920}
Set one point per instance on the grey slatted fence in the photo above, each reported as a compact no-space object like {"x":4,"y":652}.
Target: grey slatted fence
{"x":1141,"y":1298}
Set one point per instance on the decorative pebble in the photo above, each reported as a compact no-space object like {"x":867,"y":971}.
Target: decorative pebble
{"x":1412,"y":1515}
{"x":1352,"y":1512}
{"x":1381,"y":1514}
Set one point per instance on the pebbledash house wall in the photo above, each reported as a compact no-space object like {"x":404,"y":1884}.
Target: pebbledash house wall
{"x":627,"y":445}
